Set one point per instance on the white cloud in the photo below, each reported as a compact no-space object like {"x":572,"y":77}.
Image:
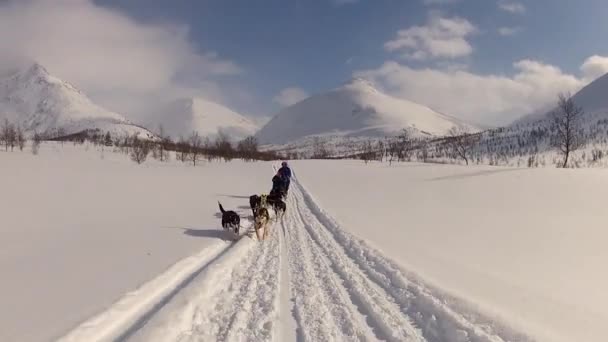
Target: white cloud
{"x":487,"y":99}
{"x":120,"y":62}
{"x":512,"y":6}
{"x":594,"y":67}
{"x":289,"y":96}
{"x":509,"y":31}
{"x":440,"y":38}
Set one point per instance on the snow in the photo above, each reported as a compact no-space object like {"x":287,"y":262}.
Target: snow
{"x":183,"y":116}
{"x":593,"y":98}
{"x":82,"y":228}
{"x":41,"y":102}
{"x":94,"y":247}
{"x":524,"y":245}
{"x":530,"y":138}
{"x":355,"y":109}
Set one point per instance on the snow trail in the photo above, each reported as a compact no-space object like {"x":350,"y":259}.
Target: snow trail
{"x":135,"y":306}
{"x":309,"y":281}
{"x":233,"y":301}
{"x":438,"y":316}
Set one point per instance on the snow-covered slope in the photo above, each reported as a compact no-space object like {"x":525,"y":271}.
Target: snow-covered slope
{"x":527,"y":141}
{"x":41,"y":102}
{"x":183,"y":116}
{"x":354,"y":109}
{"x":593,"y":98}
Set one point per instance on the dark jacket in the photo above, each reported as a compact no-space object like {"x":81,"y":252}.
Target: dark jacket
{"x":285,"y":171}
{"x":278,"y":183}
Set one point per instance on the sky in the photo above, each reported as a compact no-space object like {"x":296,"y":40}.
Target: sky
{"x":484,"y":61}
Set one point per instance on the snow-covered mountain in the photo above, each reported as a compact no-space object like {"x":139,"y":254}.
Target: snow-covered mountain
{"x":43,"y":103}
{"x":593,"y":98}
{"x":183,"y":116}
{"x":528,"y":140}
{"x":354,"y":109}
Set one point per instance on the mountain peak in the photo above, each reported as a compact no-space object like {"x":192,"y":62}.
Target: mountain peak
{"x":184,"y":115}
{"x":356,"y":108}
{"x":39,"y":101}
{"x":38,"y":69}
{"x":35,"y":70}
{"x":360,"y":82}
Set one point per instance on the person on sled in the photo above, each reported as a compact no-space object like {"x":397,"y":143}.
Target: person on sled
{"x":278,"y":185}
{"x":285,"y":172}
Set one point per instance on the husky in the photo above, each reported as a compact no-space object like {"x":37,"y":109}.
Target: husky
{"x":230,"y":220}
{"x":261,"y":222}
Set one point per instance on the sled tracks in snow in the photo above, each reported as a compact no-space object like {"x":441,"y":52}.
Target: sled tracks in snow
{"x":309,"y":281}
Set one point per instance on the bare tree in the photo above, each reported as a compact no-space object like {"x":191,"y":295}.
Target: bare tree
{"x":8,"y":135}
{"x":319,"y":149}
{"x":139,"y":149}
{"x":568,"y":134}
{"x":392,"y":148}
{"x":223,"y":146}
{"x":107,"y":140}
{"x":368,"y":153}
{"x":160,"y":150}
{"x":36,"y":143}
{"x":460,"y":143}
{"x":161,"y":131}
{"x":195,"y":143}
{"x":424,"y":151}
{"x":182,"y":150}
{"x":248,"y":148}
{"x":20,"y":136}
{"x":126,"y":144}
{"x":12,"y":137}
{"x":163,"y":145}
{"x":381,"y":150}
{"x":208,"y":146}
{"x":404,"y":145}
{"x":60,"y":134}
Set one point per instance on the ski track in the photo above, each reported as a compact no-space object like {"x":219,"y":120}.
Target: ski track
{"x":309,"y":281}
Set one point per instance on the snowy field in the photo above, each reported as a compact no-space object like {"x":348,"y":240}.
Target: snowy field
{"x":526,"y":245}
{"x":77,"y":232}
{"x":94,"y":247}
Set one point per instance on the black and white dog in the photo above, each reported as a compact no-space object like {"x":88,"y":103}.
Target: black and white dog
{"x":230,"y":219}
{"x":278,"y":205}
{"x":257,"y":202}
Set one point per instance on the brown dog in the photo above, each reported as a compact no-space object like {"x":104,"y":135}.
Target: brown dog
{"x":261,"y":222}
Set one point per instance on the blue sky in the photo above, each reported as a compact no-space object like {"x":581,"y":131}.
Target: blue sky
{"x":471,"y":58}
{"x":318,"y":44}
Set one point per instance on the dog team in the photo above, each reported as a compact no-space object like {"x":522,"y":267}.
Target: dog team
{"x":260,"y":204}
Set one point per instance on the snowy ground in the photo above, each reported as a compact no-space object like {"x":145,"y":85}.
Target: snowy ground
{"x":78,"y":231}
{"x":364,"y":252}
{"x":527,"y":245}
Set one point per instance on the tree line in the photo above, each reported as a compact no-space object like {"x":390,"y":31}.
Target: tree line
{"x":191,"y":149}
